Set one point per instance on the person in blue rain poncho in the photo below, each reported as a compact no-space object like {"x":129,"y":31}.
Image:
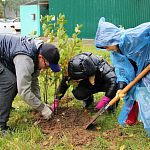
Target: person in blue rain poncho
{"x":130,"y":54}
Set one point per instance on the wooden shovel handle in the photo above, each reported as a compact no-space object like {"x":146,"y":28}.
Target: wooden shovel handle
{"x":131,"y":84}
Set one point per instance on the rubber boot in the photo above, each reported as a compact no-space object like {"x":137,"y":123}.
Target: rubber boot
{"x":88,"y":102}
{"x":133,"y":115}
{"x":3,"y":129}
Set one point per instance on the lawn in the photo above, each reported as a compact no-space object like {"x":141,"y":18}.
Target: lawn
{"x":64,"y":131}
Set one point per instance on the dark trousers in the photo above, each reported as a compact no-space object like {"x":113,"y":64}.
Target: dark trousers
{"x":8,"y":91}
{"x":85,"y":92}
{"x":82,"y":93}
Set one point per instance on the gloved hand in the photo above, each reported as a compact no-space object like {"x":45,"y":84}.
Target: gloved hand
{"x":46,"y":112}
{"x":102,"y":102}
{"x":55,"y":105}
{"x":120,"y":94}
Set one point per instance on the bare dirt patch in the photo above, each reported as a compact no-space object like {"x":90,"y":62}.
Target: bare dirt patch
{"x":68,"y":122}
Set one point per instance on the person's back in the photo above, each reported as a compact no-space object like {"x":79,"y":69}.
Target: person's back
{"x":12,"y":45}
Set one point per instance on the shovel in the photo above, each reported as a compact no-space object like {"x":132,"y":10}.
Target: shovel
{"x":116,"y":98}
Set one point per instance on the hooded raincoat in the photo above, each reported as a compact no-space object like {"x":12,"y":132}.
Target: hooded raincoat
{"x":134,"y":46}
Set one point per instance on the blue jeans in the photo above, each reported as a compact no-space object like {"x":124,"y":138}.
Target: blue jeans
{"x":8,"y":91}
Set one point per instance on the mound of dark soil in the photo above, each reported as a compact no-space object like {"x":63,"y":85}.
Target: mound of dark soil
{"x":68,"y":122}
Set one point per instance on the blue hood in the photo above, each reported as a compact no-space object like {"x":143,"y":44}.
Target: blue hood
{"x":107,"y":34}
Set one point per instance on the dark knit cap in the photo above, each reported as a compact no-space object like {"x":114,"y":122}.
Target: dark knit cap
{"x":51,"y":54}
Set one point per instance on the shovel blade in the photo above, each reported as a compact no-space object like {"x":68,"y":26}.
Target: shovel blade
{"x":100,"y":112}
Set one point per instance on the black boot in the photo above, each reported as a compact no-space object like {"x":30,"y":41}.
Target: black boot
{"x":12,"y":109}
{"x":3,"y":128}
{"x":88,"y":102}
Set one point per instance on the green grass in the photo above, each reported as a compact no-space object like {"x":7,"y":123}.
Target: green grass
{"x":27,"y":136}
{"x":105,"y":54}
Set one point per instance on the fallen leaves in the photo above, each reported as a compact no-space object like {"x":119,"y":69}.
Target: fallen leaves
{"x":122,"y":147}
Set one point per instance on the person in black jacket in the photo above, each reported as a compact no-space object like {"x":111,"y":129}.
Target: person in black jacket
{"x":21,"y":59}
{"x":92,"y":74}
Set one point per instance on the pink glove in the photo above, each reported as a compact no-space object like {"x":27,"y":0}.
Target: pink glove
{"x":102,"y":102}
{"x":55,"y":105}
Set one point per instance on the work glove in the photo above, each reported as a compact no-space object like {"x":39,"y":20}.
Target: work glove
{"x":102,"y":102}
{"x":46,"y":112}
{"x":55,"y":105}
{"x":120,"y":94}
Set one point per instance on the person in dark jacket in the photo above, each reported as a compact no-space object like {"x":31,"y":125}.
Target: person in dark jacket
{"x":92,"y":74}
{"x":21,"y":60}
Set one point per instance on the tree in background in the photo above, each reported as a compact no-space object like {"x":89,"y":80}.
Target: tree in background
{"x":11,"y":4}
{"x":1,"y":10}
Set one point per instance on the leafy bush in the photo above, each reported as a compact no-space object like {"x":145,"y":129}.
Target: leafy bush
{"x":68,"y":46}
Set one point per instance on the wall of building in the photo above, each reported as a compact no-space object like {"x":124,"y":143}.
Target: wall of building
{"x":127,"y":13}
{"x":30,"y":18}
